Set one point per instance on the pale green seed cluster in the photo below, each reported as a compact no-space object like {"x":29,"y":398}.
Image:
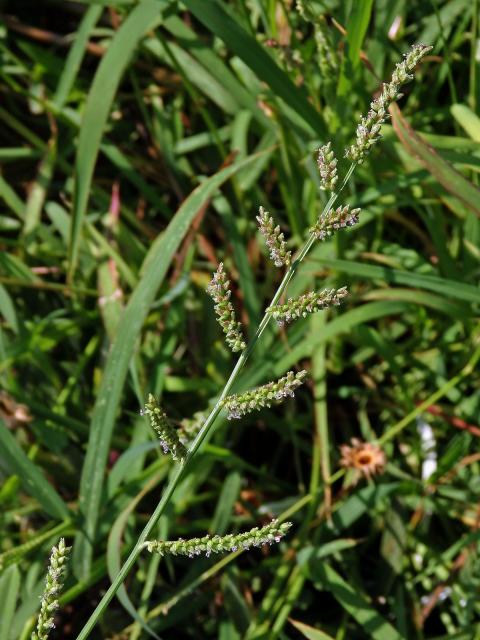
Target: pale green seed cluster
{"x":332,"y":221}
{"x":53,"y":586}
{"x":220,"y":293}
{"x":308,"y":303}
{"x":274,"y":239}
{"x":166,"y":432}
{"x":189,"y":427}
{"x":327,"y":56}
{"x":241,"y":404}
{"x":256,"y":537}
{"x":368,"y":131}
{"x":327,"y":165}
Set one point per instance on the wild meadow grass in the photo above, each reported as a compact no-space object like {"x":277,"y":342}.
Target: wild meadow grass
{"x":148,"y":145}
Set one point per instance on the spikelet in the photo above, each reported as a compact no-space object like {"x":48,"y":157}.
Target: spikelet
{"x":220,"y":294}
{"x":53,"y":585}
{"x":308,"y":303}
{"x":335,"y":219}
{"x":256,"y":537}
{"x":327,"y":56}
{"x":368,"y":131}
{"x":189,"y":427}
{"x":241,"y":404}
{"x":169,"y":440}
{"x":274,"y":239}
{"x":327,"y":165}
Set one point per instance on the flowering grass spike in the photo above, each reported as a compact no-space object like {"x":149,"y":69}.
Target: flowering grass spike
{"x":368,"y":131}
{"x":274,"y":239}
{"x":167,"y":434}
{"x":220,"y":294}
{"x":241,"y":404}
{"x":335,"y":219}
{"x":308,"y":303}
{"x":53,"y":585}
{"x":327,"y":165}
{"x":256,"y":537}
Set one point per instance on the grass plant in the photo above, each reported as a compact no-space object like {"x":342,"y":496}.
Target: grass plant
{"x":139,"y":141}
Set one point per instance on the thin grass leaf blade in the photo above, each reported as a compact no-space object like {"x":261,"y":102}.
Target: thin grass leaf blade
{"x":441,"y":170}
{"x":374,"y":624}
{"x":100,"y":98}
{"x":15,"y":461}
{"x":214,"y":18}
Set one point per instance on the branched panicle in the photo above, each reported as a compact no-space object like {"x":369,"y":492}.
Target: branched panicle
{"x":243,"y":403}
{"x":220,"y":294}
{"x":368,"y":131}
{"x":256,"y":537}
{"x":308,"y":303}
{"x":53,"y":586}
{"x":327,"y":165}
{"x":166,"y":432}
{"x":335,"y":219}
{"x":274,"y":239}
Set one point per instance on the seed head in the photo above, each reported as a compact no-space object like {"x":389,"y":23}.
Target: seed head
{"x":327,"y":165}
{"x":335,"y":219}
{"x":308,"y":303}
{"x":53,"y":586}
{"x":167,"y":435}
{"x":256,"y":537}
{"x":368,"y":131}
{"x":241,"y":404}
{"x":274,"y":239}
{"x":220,"y":294}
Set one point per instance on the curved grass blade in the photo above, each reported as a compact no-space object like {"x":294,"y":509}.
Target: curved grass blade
{"x":441,"y":170}
{"x":99,"y":102}
{"x":214,"y":18}
{"x":356,"y":604}
{"x":75,"y":55}
{"x":448,"y":288}
{"x":153,"y":271}
{"x":15,"y":461}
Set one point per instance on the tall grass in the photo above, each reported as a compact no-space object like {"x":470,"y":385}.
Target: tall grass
{"x":138,"y":141}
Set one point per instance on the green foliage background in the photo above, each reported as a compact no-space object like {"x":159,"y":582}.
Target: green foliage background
{"x":137,"y":141}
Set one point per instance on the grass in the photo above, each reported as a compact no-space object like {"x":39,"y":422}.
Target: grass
{"x":137,"y":142}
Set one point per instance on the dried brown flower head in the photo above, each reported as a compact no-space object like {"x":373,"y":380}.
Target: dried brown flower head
{"x":364,"y":458}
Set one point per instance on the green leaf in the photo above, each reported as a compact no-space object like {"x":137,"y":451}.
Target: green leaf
{"x":356,"y":604}
{"x":467,"y":119}
{"x":9,"y":588}
{"x":75,"y":55}
{"x":309,"y":632}
{"x":441,"y":170}
{"x":213,"y":17}
{"x":225,"y":504}
{"x":14,"y":460}
{"x":356,"y":29}
{"x":153,"y":272}
{"x":7,"y":309}
{"x":99,"y":102}
{"x":448,"y":288}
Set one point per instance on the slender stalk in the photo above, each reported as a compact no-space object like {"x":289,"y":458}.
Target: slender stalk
{"x":181,"y":469}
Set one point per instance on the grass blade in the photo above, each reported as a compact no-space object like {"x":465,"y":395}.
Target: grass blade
{"x":213,"y":16}
{"x":441,"y":170}
{"x":15,"y":461}
{"x":374,"y":624}
{"x":102,"y":92}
